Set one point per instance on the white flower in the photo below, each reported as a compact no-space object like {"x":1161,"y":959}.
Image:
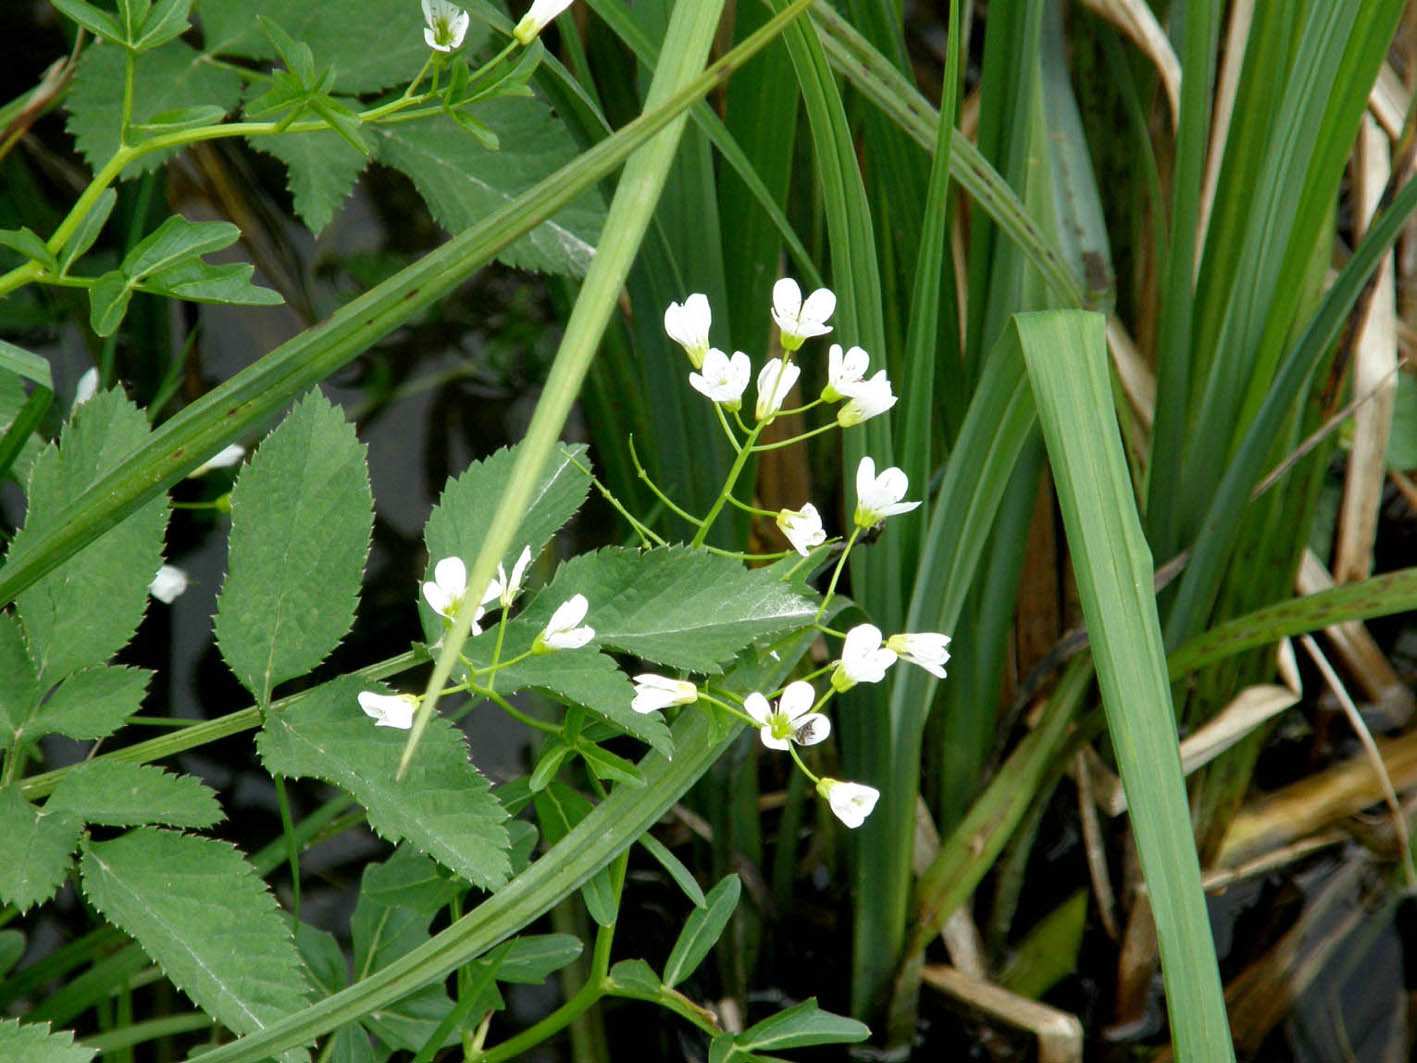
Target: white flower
{"x":222,"y":459}
{"x":87,"y":387}
{"x":653,"y":692}
{"x":799,"y":321}
{"x":865,"y":399}
{"x":504,"y":589}
{"x":775,"y":380}
{"x":389,"y":710}
{"x":688,"y":326}
{"x":803,"y":528}
{"x":169,"y":582}
{"x":928,"y":649}
{"x":532,"y":23}
{"x":563,"y":632}
{"x":863,"y":658}
{"x":879,"y":497}
{"x":446,"y":25}
{"x":851,"y":801}
{"x":843,"y":370}
{"x":723,"y":379}
{"x":449,"y":587}
{"x":792,"y":721}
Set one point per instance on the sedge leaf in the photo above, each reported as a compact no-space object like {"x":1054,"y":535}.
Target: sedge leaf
{"x":443,"y":805}
{"x":301,"y":516}
{"x":205,"y":917}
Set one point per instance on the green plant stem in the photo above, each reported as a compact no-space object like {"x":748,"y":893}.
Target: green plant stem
{"x":669,"y":503}
{"x":516,"y":714}
{"x":292,"y":847}
{"x":727,"y":429}
{"x":150,"y":1030}
{"x":836,"y":572}
{"x":734,"y":472}
{"x":780,"y":443}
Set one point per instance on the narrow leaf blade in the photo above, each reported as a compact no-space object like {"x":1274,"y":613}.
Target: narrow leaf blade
{"x":702,"y":930}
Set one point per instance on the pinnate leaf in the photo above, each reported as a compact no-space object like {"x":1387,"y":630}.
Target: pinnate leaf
{"x":372,"y":44}
{"x":165,"y":79}
{"x":205,"y":917}
{"x":301,"y":516}
{"x":463,"y":516}
{"x":31,"y":1042}
{"x":321,"y":169}
{"x":19,"y":691}
{"x":117,"y":794}
{"x":34,"y":849}
{"x":443,"y":805}
{"x":93,"y":702}
{"x":85,"y":610}
{"x":463,"y":182}
{"x":675,"y":606}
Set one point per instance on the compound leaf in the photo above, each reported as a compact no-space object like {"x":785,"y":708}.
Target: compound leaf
{"x":31,"y":1042}
{"x":34,"y":849}
{"x":117,"y":794}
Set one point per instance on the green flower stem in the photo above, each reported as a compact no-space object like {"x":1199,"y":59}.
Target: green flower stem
{"x":805,"y":770}
{"x":769,"y":513}
{"x":747,"y":557}
{"x":733,"y":473}
{"x":497,"y":648}
{"x":732,"y":710}
{"x":408,"y":92}
{"x":125,"y":119}
{"x":779,"y":444}
{"x":668,"y":502}
{"x":516,"y":713}
{"x":727,"y":429}
{"x":836,"y":572}
{"x":646,"y":534}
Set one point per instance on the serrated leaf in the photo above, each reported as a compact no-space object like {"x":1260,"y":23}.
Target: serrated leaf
{"x":201,"y":282}
{"x":443,"y":805}
{"x":93,"y":702}
{"x":800,"y":1026}
{"x":97,"y":21}
{"x":31,"y":1042}
{"x":584,"y":678}
{"x":117,"y":794}
{"x":463,"y":182}
{"x":702,"y":930}
{"x":202,"y":913}
{"x":27,"y":243}
{"x":371,"y":43}
{"x":675,"y":606}
{"x":89,"y":229}
{"x":18,"y":691}
{"x":301,"y":516}
{"x":88,"y":608}
{"x":321,"y":169}
{"x":166,"y":78}
{"x":637,"y":977}
{"x":463,"y":515}
{"x":35,"y":846}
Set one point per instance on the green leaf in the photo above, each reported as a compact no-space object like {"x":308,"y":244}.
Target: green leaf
{"x":19,"y":691}
{"x":463,"y":515}
{"x":558,"y":809}
{"x":608,"y":766}
{"x":26,"y":364}
{"x":27,"y":242}
{"x":702,"y":930}
{"x":174,"y":240}
{"x":88,"y":230}
{"x":677,"y":871}
{"x":637,"y":978}
{"x":202,"y":913}
{"x":581,"y":677}
{"x":98,"y":22}
{"x":31,"y":1042}
{"x":93,"y":702}
{"x":535,"y":957}
{"x":183,"y":118}
{"x":167,"y":19}
{"x":301,"y":516}
{"x":552,"y":756}
{"x":200,"y":282}
{"x":34,"y":850}
{"x":442,"y":805}
{"x":165,"y":79}
{"x":371,"y":43}
{"x":89,"y":607}
{"x":462,"y":181}
{"x":108,"y":302}
{"x":675,"y":606}
{"x":117,"y":794}
{"x":321,"y":169}
{"x":800,"y":1026}
{"x":1402,"y":442}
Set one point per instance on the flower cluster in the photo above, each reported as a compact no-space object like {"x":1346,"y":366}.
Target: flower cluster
{"x":446,"y":594}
